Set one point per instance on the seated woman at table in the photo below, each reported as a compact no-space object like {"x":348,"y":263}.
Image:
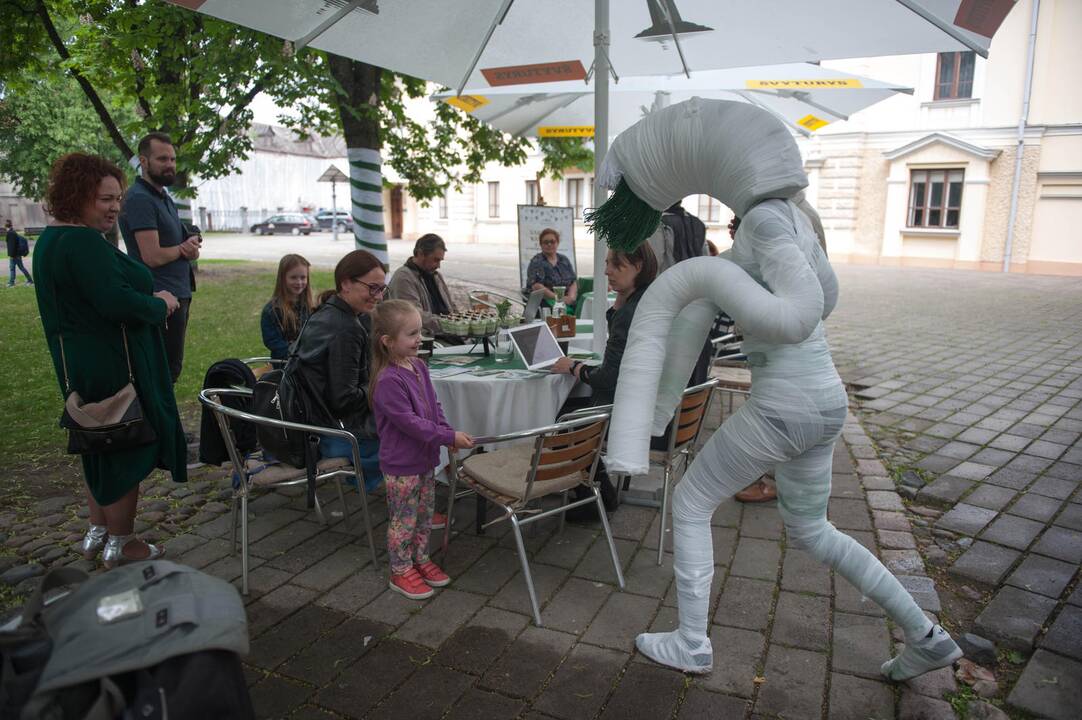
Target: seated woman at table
{"x":289,"y":307}
{"x":549,"y":269}
{"x":629,"y":275}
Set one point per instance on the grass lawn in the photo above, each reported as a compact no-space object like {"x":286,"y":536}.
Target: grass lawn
{"x":224,"y":323}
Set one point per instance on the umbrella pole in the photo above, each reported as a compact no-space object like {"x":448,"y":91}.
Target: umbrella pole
{"x":601,"y":146}
{"x":334,"y":211}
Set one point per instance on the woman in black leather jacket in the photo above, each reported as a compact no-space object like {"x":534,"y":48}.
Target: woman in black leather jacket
{"x":333,"y":354}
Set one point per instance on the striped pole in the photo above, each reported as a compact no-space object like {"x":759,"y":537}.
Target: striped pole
{"x":366,"y":193}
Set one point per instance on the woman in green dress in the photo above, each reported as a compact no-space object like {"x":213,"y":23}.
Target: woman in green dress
{"x":90,"y":295}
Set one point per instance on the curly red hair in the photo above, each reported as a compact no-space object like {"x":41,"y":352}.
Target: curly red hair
{"x":73,"y":184}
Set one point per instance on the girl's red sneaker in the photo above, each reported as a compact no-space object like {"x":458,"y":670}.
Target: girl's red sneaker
{"x":432,"y":574}
{"x":411,"y":585}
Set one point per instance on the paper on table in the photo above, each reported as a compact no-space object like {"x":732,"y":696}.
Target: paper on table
{"x":456,"y":359}
{"x":445,"y":372}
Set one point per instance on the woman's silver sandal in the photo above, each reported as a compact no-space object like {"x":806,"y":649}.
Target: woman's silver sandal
{"x":93,"y":541}
{"x":114,"y":551}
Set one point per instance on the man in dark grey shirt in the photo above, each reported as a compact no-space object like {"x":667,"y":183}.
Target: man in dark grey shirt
{"x":154,"y":235}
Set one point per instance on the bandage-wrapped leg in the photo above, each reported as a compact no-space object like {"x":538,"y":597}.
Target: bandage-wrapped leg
{"x":726,"y":465}
{"x":803,"y":499}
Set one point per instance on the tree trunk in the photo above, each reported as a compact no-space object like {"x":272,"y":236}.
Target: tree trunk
{"x":358,"y":103}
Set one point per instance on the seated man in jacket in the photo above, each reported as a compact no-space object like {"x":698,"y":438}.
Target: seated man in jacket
{"x":419,"y":282}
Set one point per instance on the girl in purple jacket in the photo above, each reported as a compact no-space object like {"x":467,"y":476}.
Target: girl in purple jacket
{"x":411,"y":429}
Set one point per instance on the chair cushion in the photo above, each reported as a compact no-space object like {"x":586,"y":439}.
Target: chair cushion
{"x":732,"y":378}
{"x":504,"y":471}
{"x":263,"y":474}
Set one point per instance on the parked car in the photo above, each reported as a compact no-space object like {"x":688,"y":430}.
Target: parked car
{"x":282,"y":223}
{"x":326,"y":219}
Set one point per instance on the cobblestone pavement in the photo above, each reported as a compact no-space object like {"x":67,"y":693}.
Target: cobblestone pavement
{"x":932,"y":353}
{"x":970,"y":386}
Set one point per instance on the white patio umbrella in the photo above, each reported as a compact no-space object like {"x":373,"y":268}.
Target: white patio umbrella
{"x":490,"y":43}
{"x":806,"y":96}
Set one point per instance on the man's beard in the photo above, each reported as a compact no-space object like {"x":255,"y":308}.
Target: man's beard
{"x":162,"y":180}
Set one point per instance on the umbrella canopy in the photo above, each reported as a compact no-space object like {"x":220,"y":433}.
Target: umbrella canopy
{"x":500,"y":41}
{"x":806,"y":96}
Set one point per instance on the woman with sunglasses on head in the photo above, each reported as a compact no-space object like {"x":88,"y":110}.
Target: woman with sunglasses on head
{"x":332,"y":353}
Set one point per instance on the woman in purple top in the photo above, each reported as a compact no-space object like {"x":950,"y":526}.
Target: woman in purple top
{"x":411,"y":429}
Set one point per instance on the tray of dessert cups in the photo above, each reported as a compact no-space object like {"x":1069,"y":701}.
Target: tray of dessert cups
{"x":476,"y":325}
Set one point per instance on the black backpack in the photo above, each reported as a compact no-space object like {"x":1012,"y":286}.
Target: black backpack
{"x":225,"y":374}
{"x":24,"y":246}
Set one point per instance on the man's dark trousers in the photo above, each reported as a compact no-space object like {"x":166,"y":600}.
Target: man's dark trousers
{"x":176,"y":326}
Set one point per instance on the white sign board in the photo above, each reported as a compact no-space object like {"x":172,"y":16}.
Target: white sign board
{"x":532,"y":219}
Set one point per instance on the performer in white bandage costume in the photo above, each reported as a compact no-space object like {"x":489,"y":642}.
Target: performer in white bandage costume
{"x":778,"y":285}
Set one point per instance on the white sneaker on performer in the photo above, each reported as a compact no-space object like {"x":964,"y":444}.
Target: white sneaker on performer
{"x":929,"y":653}
{"x":672,"y":649}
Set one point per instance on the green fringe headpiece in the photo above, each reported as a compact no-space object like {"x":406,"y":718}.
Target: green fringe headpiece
{"x":623,"y":221}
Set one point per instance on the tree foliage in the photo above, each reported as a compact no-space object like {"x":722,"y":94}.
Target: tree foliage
{"x":562,"y":154}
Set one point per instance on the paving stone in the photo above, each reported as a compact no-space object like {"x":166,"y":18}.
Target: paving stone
{"x":309,"y":548}
{"x":490,"y":572}
{"x":270,"y":609}
{"x":582,"y":684}
{"x":363,"y":684}
{"x":546,"y":581}
{"x":1071,"y":517}
{"x":597,"y":564}
{"x":322,"y":661}
{"x":427,"y":695}
{"x":762,"y":521}
{"x":1013,"y":618}
{"x":1042,"y":575}
{"x":848,"y":599}
{"x":861,"y":644}
{"x":886,"y":520}
{"x":885,"y":500}
{"x":795,"y":681}
{"x":528,"y":661}
{"x":728,"y":514}
{"x":875,"y":482}
{"x":566,"y":549}
{"x":1065,"y":635}
{"x":993,"y":456}
{"x":756,"y":558}
{"x":355,"y":591}
{"x":630,"y":522}
{"x":1050,"y":686}
{"x":19,"y":573}
{"x":1061,"y":543}
{"x":856,"y":698}
{"x":475,"y":646}
{"x":965,"y":519}
{"x":349,"y":560}
{"x":440,"y":617}
{"x":277,"y":697}
{"x":1010,"y":443}
{"x":390,"y":607}
{"x":903,"y":562}
{"x":984,"y":562}
{"x":1054,"y":487}
{"x":978,"y":649}
{"x":802,"y":621}
{"x":992,"y":497}
{"x":1012,"y":531}
{"x":802,"y":573}
{"x":1046,"y":449}
{"x":1012,"y":478}
{"x":575,"y":605}
{"x":480,"y":705}
{"x":646,"y":691}
{"x":848,"y":514}
{"x":945,"y":489}
{"x":896,"y":540}
{"x":923,"y":591}
{"x":700,"y":703}
{"x":918,"y":707}
{"x":736,"y":655}
{"x":935,"y":684}
{"x":745,"y":603}
{"x":1035,"y":507}
{"x":620,"y":620}
{"x":207,"y":552}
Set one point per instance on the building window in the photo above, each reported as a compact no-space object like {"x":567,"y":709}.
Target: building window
{"x":532,"y":193}
{"x":709,"y":209}
{"x":935,"y":198}
{"x":954,"y":75}
{"x":442,"y":206}
{"x":575,"y":195}
{"x":493,"y":199}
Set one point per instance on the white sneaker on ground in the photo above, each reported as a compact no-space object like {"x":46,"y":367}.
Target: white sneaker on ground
{"x":927,"y":654}
{"x":672,"y":649}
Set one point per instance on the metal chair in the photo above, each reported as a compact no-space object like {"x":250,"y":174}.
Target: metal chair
{"x":257,"y":474}
{"x":730,"y":368}
{"x":683,"y":442}
{"x":514,"y":476}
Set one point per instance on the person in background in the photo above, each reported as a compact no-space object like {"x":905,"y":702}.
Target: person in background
{"x":629,"y":275}
{"x":289,"y":307}
{"x":17,"y":244}
{"x":154,"y":235}
{"x":419,"y":281}
{"x":549,"y":269}
{"x":411,"y":428}
{"x":100,"y":312}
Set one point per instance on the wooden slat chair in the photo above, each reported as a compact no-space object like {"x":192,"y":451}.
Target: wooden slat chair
{"x":683,"y":444}
{"x":562,"y":456}
{"x":256,"y":474}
